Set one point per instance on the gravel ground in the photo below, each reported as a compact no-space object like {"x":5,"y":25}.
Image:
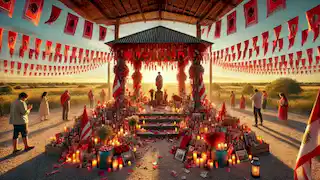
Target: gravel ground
{"x":284,"y":140}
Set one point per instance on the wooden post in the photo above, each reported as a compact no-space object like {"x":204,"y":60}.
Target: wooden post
{"x":210,"y":80}
{"x":109,"y":85}
{"x":116,"y":29}
{"x":198,"y":30}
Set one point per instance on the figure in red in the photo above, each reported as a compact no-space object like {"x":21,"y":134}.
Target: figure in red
{"x":242,"y":102}
{"x":159,"y":82}
{"x":232,"y":99}
{"x":283,"y":107}
{"x":91,"y":98}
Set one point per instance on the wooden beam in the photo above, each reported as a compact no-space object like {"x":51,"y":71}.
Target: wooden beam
{"x":114,"y":5}
{"x":195,"y":14}
{"x":210,"y":78}
{"x":109,"y":84}
{"x":198,"y":30}
{"x":210,"y":3}
{"x":140,"y":10}
{"x":116,"y":30}
{"x":124,"y":8}
{"x":185,"y":5}
{"x":101,"y":11}
{"x":210,"y":11}
{"x":74,"y":7}
{"x":160,"y":9}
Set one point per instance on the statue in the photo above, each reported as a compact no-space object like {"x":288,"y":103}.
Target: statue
{"x":159,"y":81}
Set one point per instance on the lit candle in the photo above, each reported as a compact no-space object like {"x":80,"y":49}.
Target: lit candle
{"x":250,"y":156}
{"x":94,"y":163}
{"x":120,"y":166}
{"x":233,"y":157}
{"x":73,"y":156}
{"x":205,"y":129}
{"x":233,"y":162}
{"x":78,"y":156}
{"x":176,"y":129}
{"x":225,"y":145}
{"x":198,"y":162}
{"x":219,"y":146}
{"x":195,"y":156}
{"x":201,"y":162}
{"x":134,"y":149}
{"x":95,"y":140}
{"x":238,"y":161}
{"x":211,"y":165}
{"x":230,"y":162}
{"x":144,"y":121}
{"x":129,"y":163}
{"x":121,"y":130}
{"x":174,"y":123}
{"x":115,"y":164}
{"x":204,"y":156}
{"x":198,"y":137}
{"x":65,"y":129}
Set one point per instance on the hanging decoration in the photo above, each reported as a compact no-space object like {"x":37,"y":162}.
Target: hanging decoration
{"x":293,"y":27}
{"x":137,"y":77}
{"x":33,"y":10}
{"x":280,"y":43}
{"x":7,"y":6}
{"x":1,"y":35}
{"x":88,"y":29}
{"x":71,"y":24}
{"x":12,"y":38}
{"x":251,"y":12}
{"x":38,"y":43}
{"x":102,"y":33}
{"x":66,"y":52}
{"x":313,"y":18}
{"x":232,"y":23}
{"x":181,"y":75}
{"x":304,"y":36}
{"x":277,"y":31}
{"x":55,"y":13}
{"x":274,"y":5}
{"x":24,"y":46}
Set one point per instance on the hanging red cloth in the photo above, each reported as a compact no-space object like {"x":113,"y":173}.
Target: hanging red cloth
{"x":33,"y":10}
{"x":12,"y":38}
{"x":55,"y":13}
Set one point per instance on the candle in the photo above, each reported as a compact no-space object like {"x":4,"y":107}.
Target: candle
{"x":219,"y":146}
{"x":129,"y":163}
{"x":195,"y":156}
{"x":73,"y":157}
{"x":204,"y":156}
{"x":198,"y":162}
{"x":201,"y":162}
{"x":115,"y":164}
{"x":95,"y":140}
{"x":65,"y":129}
{"x":176,"y":129}
{"x":230,"y":162}
{"x":198,"y":137}
{"x":78,"y":156}
{"x":250,"y":156}
{"x":174,"y":123}
{"x":205,"y":129}
{"x":211,"y":165}
{"x":134,"y":149}
{"x":225,"y":145}
{"x":121,"y":130}
{"x":233,"y":162}
{"x":94,"y":163}
{"x":238,"y":161}
{"x":120,"y":166}
{"x":233,"y":157}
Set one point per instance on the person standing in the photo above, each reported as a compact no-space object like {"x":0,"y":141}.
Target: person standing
{"x":256,"y":102}
{"x":232,"y":99}
{"x":19,"y":112}
{"x":165,"y":96}
{"x":159,"y":82}
{"x":103,"y":95}
{"x":91,"y":98}
{"x":151,"y":91}
{"x":44,"y":107}
{"x":264,"y":99}
{"x":283,"y":107}
{"x":65,"y":103}
{"x":242,"y":102}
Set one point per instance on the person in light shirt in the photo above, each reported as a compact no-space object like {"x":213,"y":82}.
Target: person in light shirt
{"x":257,"y":103}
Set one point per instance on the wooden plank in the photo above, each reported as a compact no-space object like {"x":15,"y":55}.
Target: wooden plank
{"x":140,"y":10}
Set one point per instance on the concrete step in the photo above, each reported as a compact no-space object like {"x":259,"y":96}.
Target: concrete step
{"x":156,"y":126}
{"x":157,"y":135}
{"x":160,"y":120}
{"x":161,"y":114}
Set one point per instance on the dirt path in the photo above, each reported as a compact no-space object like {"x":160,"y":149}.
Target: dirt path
{"x":284,"y":143}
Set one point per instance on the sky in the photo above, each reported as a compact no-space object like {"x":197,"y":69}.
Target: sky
{"x":55,"y":33}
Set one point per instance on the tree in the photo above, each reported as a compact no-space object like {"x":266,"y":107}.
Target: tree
{"x":287,"y":86}
{"x":247,"y":89}
{"x":216,"y":87}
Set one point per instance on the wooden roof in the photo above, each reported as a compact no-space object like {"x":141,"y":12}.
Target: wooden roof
{"x":110,"y":12}
{"x":158,"y":35}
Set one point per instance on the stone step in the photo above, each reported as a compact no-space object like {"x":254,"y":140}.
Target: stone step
{"x":156,"y":135}
{"x":162,"y":114}
{"x":156,"y":126}
{"x":160,"y":120}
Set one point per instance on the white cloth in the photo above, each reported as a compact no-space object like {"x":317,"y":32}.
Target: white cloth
{"x":44,"y":107}
{"x":257,"y":100}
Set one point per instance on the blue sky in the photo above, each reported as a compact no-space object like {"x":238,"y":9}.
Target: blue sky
{"x":55,"y":33}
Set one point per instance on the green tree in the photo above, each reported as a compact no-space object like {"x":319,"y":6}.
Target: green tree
{"x":286,"y":85}
{"x":247,"y":89}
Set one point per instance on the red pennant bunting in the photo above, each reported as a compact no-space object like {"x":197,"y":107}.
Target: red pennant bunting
{"x":280,"y":41}
{"x":250,"y":53}
{"x":274,"y":5}
{"x":265,"y":49}
{"x":246,"y":45}
{"x":1,"y":34}
{"x":293,"y":27}
{"x":316,"y":33}
{"x":291,"y":42}
{"x":48,"y":47}
{"x":239,"y":47}
{"x":55,"y":13}
{"x":33,"y":10}
{"x":80,"y":54}
{"x":276,"y":61}
{"x":303,"y":62}
{"x":66,"y":50}
{"x":25,"y":42}
{"x":277,"y":31}
{"x":88,"y":29}
{"x":58,"y":49}
{"x":251,"y":12}
{"x":232,"y":23}
{"x":217,"y":31}
{"x":265,"y":37}
{"x":12,"y":38}
{"x":71,"y":24}
{"x":313,"y":17}
{"x":31,"y":51}
{"x":257,"y":51}
{"x":7,"y":6}
{"x":304,"y":36}
{"x":310,"y":55}
{"x":274,"y":45}
{"x":254,"y":42}
{"x":102,"y":33}
{"x":291,"y":59}
{"x":37,"y":46}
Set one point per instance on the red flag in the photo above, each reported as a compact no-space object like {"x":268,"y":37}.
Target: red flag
{"x":274,"y":45}
{"x":25,"y":42}
{"x":299,"y":55}
{"x":37,"y":47}
{"x":310,"y":55}
{"x":310,"y":146}
{"x":265,"y":49}
{"x":291,"y":59}
{"x":12,"y":39}
{"x":251,"y":12}
{"x":66,"y":50}
{"x":250,"y":53}
{"x":254,"y":42}
{"x":58,"y":49}
{"x":239,"y":49}
{"x":280,"y":44}
{"x":277,"y":31}
{"x":304,"y":36}
{"x":71,"y":24}
{"x":316,"y":33}
{"x":313,"y":18}
{"x":217,"y":31}
{"x":257,"y":51}
{"x":1,"y":33}
{"x":273,"y":5}
{"x":7,"y":6}
{"x":102,"y":33}
{"x":48,"y":47}
{"x":291,"y":42}
{"x":232,"y":48}
{"x":33,"y":10}
{"x":293,"y":27}
{"x":80,"y":54}
{"x":55,"y":13}
{"x":246,"y":45}
{"x":232,"y":23}
{"x":88,"y":29}
{"x":265,"y":37}
{"x":117,"y":89}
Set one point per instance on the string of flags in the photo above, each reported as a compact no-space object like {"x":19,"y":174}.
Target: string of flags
{"x":33,"y":11}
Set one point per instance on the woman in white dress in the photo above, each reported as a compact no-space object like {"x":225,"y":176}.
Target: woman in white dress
{"x":44,"y":107}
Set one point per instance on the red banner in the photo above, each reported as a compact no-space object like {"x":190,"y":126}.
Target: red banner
{"x":88,"y":29}
{"x":48,"y":47}
{"x":277,"y":31}
{"x":246,"y":45}
{"x":250,"y":53}
{"x":232,"y":23}
{"x":1,"y":34}
{"x":251,"y":12}
{"x":254,"y":42}
{"x":102,"y":33}
{"x":217,"y":31}
{"x":293,"y":27}
{"x":291,"y":42}
{"x":7,"y":6}
{"x":12,"y":39}
{"x":310,"y":55}
{"x":280,"y":42}
{"x":33,"y":10}
{"x":55,"y":13}
{"x":265,"y":49}
{"x":313,"y":18}
{"x":37,"y":47}
{"x":80,"y":55}
{"x":304,"y":36}
{"x":265,"y":38}
{"x":273,"y":6}
{"x":274,"y":45}
{"x":66,"y":52}
{"x":24,"y":45}
{"x":71,"y":24}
